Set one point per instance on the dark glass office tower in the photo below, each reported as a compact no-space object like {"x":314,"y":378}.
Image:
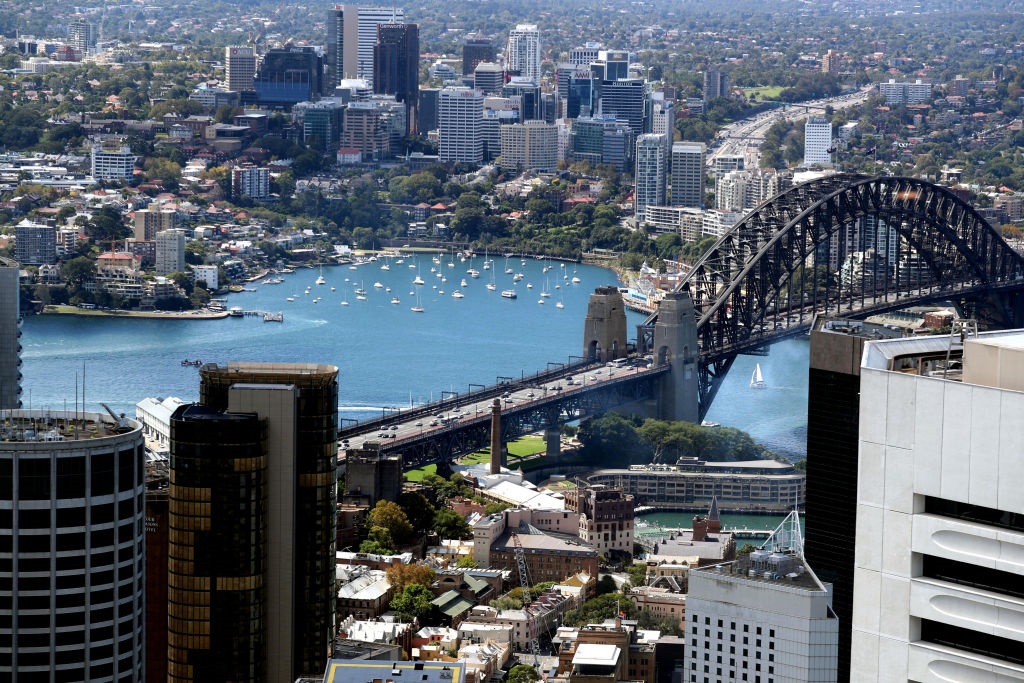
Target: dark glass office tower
{"x":396,"y":64}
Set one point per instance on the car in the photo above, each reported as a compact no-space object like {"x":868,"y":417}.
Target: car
{"x":506,"y":395}
{"x":440,"y":416}
{"x":530,"y":395}
{"x":382,"y":435}
{"x":392,"y":435}
{"x":419,"y":423}
{"x":433,"y":423}
{"x":557,"y":387}
{"x":393,"y":428}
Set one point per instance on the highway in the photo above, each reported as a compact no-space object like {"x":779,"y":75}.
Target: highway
{"x":737,"y":137}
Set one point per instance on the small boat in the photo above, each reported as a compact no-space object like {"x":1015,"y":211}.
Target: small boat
{"x":344,"y":303}
{"x":508,"y":293}
{"x":291,"y":298}
{"x":491,"y":286}
{"x":395,"y":300}
{"x":418,"y":280}
{"x":320,"y":279}
{"x":351,"y":267}
{"x":360,"y":292}
{"x":517,"y":277}
{"x":473,"y":272}
{"x":385,"y":266}
{"x":464,"y":283}
{"x":418,"y":308}
{"x":458,"y":295}
{"x":708,"y":423}
{"x":361,"y":297}
{"x":559,"y":305}
{"x":236,"y":312}
{"x":756,"y":379}
{"x":377,"y":285}
{"x":540,"y":301}
{"x":529,"y":285}
{"x":575,"y":280}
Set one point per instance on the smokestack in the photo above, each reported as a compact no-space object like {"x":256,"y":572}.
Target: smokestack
{"x":496,"y":436}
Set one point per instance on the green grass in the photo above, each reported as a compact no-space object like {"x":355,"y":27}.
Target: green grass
{"x":419,"y":473}
{"x":764,"y":92}
{"x":527,"y":445}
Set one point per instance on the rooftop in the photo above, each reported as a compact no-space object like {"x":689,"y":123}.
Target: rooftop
{"x":48,"y":426}
{"x":778,"y":569}
{"x":364,"y":671}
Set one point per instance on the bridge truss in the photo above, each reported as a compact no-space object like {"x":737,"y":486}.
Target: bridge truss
{"x":842,"y":245}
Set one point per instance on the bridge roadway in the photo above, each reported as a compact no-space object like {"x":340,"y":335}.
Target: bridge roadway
{"x":446,"y":429}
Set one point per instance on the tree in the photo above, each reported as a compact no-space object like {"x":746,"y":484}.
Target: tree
{"x":522,"y":673}
{"x":450,"y":524}
{"x":413,"y":602}
{"x":418,"y":509}
{"x":389,"y":515}
{"x":467,"y":562}
{"x":378,"y":542}
{"x":105,"y":225}
{"x":402,"y":575}
{"x":78,"y":270}
{"x":606,"y":585}
{"x":637,"y":574}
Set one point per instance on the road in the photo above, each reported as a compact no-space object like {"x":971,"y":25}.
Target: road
{"x":737,"y":137}
{"x":517,"y":395}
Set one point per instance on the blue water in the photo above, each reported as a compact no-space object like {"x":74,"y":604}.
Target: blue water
{"x":388,"y":355}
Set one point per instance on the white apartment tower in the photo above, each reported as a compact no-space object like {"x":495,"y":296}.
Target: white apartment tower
{"x":688,"y":173}
{"x":239,"y":67}
{"x":817,"y":141}
{"x":940,"y":514}
{"x":118,"y":164}
{"x":651,"y":169}
{"x":170,"y":252}
{"x":351,"y":36}
{"x":459,"y":120}
{"x":523,"y":53}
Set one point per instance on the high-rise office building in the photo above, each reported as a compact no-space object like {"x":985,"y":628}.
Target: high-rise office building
{"x":688,"y":173}
{"x":351,"y":36}
{"x":321,"y":122}
{"x":460,"y":113}
{"x":527,"y":94}
{"x":112,"y":164}
{"x":252,"y":523}
{"x":72,"y":560}
{"x":476,"y":50}
{"x":288,"y":75}
{"x":35,"y":243}
{"x":626,"y":100}
{"x":239,"y":67}
{"x":488,"y":77}
{"x":523,"y":53}
{"x":651,"y":170}
{"x":602,"y":140}
{"x":396,"y":65}
{"x":83,"y":35}
{"x":575,"y":89}
{"x":10,"y":335}
{"x":940,"y":516}
{"x":817,"y":140}
{"x":427,"y":116}
{"x":716,"y":84}
{"x":584,"y":55}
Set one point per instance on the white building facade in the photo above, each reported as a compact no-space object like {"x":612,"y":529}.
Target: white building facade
{"x":817,"y":141}
{"x":649,"y":178}
{"x":940,"y":514}
{"x":460,"y":115}
{"x":524,"y":51}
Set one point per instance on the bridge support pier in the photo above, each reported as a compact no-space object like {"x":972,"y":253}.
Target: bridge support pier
{"x":604,"y":328}
{"x":553,"y":441}
{"x":675,"y":342}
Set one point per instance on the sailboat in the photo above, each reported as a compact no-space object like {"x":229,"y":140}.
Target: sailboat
{"x":490,"y":285}
{"x":756,"y":379}
{"x":561,"y":301}
{"x":320,"y":280}
{"x":418,"y":308}
{"x":544,"y":292}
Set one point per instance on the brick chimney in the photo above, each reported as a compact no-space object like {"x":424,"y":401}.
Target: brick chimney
{"x":700,"y":529}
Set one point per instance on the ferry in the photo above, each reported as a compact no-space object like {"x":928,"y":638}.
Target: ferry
{"x":508,"y":293}
{"x":236,"y":312}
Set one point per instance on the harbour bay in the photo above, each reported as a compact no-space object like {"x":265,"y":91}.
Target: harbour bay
{"x":388,"y":355}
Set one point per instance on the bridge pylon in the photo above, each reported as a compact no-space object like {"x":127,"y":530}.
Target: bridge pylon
{"x":604,"y":328}
{"x":675,"y":342}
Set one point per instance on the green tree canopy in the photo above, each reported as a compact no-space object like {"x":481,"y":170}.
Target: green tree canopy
{"x":450,"y":524}
{"x":413,"y":602}
{"x":522,"y":673}
{"x":389,"y":515}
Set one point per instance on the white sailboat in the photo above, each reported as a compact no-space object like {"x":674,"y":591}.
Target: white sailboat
{"x":544,"y":292}
{"x":320,"y":280}
{"x":756,"y":379}
{"x":418,"y":308}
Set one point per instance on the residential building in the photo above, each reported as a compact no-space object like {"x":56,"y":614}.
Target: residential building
{"x":396,"y":65}
{"x":289,"y":75}
{"x":83,"y":35}
{"x":688,"y":173}
{"x":691,"y":484}
{"x":351,"y":37}
{"x":830,"y":62}
{"x":523,"y":55}
{"x":716,"y":84}
{"x":207,"y":277}
{"x":148,"y":222}
{"x":724,"y":163}
{"x":374,"y":127}
{"x":939,"y":509}
{"x":239,"y":67}
{"x":744,"y":190}
{"x":663,"y":118}
{"x":250,"y":181}
{"x":530,"y":145}
{"x":35,"y":244}
{"x":363,"y":593}
{"x":170,"y":252}
{"x":116,"y":164}
{"x":762,"y":617}
{"x":650,"y":174}
{"x":818,"y":141}
{"x":273,"y":516}
{"x":476,"y":50}
{"x":10,"y":335}
{"x":686,"y":221}
{"x":72,"y":488}
{"x":606,"y":517}
{"x":896,"y":92}
{"x":584,"y":55}
{"x":459,"y":119}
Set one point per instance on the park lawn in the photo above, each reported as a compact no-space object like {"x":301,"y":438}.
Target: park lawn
{"x":764,"y":92}
{"x":420,"y":472}
{"x":527,"y":445}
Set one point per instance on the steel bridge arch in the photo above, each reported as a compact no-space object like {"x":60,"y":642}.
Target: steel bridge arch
{"x":759,"y":274}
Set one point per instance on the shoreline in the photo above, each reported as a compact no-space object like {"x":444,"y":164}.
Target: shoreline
{"x":162,"y":315}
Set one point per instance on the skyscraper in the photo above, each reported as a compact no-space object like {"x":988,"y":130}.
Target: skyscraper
{"x":460,"y":113}
{"x":626,"y":99}
{"x":170,"y":251}
{"x":83,"y":35}
{"x":716,"y":84}
{"x":396,"y":65}
{"x":817,"y":140}
{"x":239,"y":67}
{"x":351,"y":36}
{"x":651,"y":169}
{"x":72,"y":569}
{"x":252,"y":522}
{"x":10,"y":335}
{"x":530,"y":145}
{"x":688,"y":173}
{"x":523,"y":53}
{"x":288,"y":75}
{"x":940,"y":516}
{"x":475,"y":50}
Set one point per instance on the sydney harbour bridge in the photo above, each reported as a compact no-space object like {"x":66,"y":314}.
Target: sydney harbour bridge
{"x":844,"y":245}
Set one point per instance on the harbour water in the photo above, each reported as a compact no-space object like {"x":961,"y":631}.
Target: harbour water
{"x":389,"y":355}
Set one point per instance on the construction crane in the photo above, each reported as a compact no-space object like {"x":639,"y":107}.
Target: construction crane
{"x":524,"y":581}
